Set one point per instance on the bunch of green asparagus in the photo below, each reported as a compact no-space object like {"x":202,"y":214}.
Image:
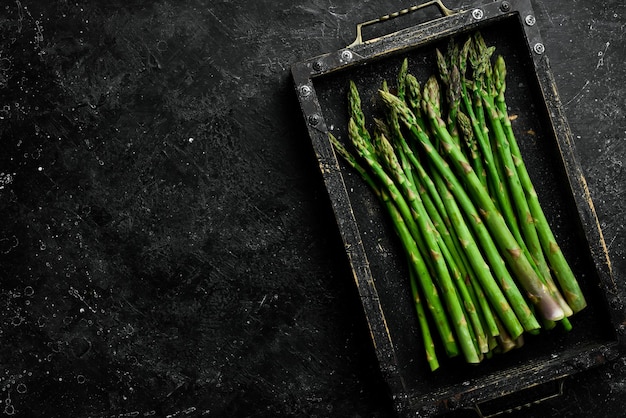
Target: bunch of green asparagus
{"x":484,"y":266}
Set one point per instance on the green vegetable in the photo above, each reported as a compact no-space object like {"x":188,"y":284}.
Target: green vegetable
{"x":444,"y":162}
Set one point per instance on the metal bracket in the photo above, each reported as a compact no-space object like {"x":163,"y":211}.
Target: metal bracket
{"x":534,"y":395}
{"x":359,"y":27}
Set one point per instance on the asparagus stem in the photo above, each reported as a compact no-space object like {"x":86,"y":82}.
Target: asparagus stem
{"x":465,"y":126}
{"x":528,"y":239}
{"x":519,"y":263}
{"x":524,"y":229}
{"x":451,"y":77}
{"x":430,"y":291}
{"x":566,"y":324}
{"x":486,"y":312}
{"x":414,"y":99}
{"x":474,"y":254}
{"x":429,"y":220}
{"x":429,"y":345}
{"x":569,"y":285}
{"x":434,"y":247}
{"x":356,"y":114}
{"x":401,"y":83}
{"x":467,"y":215}
{"x":418,"y":270}
{"x":477,"y":262}
{"x":352,"y":161}
{"x":479,"y":56}
{"x":468,"y":108}
{"x":535,"y":289}
{"x":445,"y":240}
{"x":505,"y":341}
{"x":466,"y":244}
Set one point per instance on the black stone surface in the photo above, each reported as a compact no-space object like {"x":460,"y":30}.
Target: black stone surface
{"x":167,"y":247}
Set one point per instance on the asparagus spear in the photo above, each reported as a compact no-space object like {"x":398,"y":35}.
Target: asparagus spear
{"x":451,"y":77}
{"x":494,"y":292}
{"x":571,"y":289}
{"x":401,"y":82}
{"x":417,"y":267}
{"x":529,"y":239}
{"x":426,"y":207}
{"x":430,"y":291}
{"x":509,"y":246}
{"x":362,"y":141}
{"x":468,"y":107}
{"x":356,"y":113}
{"x":465,"y":126}
{"x":429,"y":345}
{"x":535,"y":289}
{"x":434,"y":247}
{"x":434,"y":233}
{"x":479,"y":56}
{"x":479,"y":266}
{"x":443,"y":236}
{"x":474,"y":259}
{"x":414,"y":99}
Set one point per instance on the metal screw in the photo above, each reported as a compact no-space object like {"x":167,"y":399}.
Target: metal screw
{"x":505,"y":6}
{"x":539,"y":48}
{"x":305,"y":91}
{"x":314,"y":119}
{"x":477,"y":14}
{"x":530,"y":20}
{"x":318,"y":65}
{"x":346,"y":55}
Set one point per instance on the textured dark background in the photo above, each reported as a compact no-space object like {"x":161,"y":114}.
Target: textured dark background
{"x":167,"y":247}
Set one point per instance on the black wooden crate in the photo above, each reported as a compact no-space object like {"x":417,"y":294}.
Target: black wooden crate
{"x":378,"y":264}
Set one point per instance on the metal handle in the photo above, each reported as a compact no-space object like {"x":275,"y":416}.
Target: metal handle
{"x":359,"y":27}
{"x":517,"y":405}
